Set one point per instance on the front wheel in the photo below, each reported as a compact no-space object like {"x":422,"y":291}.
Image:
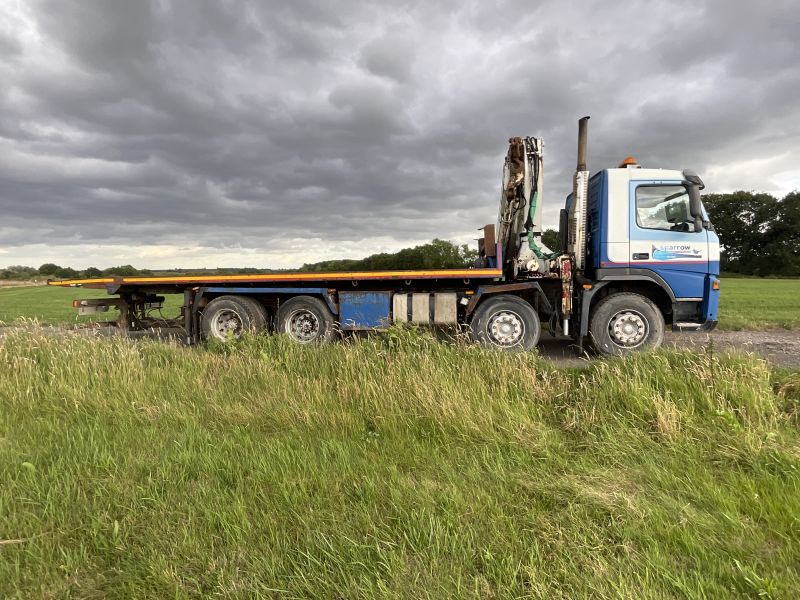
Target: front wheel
{"x":624,"y":323}
{"x":506,"y":322}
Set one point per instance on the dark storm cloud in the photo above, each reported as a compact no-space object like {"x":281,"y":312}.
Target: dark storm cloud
{"x":247,"y":122}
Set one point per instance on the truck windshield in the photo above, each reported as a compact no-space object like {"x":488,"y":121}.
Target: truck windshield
{"x":663,"y":207}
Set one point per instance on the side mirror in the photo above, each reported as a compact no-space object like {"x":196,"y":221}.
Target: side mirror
{"x":695,"y":206}
{"x":693,"y":178}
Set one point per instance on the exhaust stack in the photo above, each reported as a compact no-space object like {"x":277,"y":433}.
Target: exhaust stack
{"x":575,"y":258}
{"x":583,"y":133}
{"x":576,"y":234}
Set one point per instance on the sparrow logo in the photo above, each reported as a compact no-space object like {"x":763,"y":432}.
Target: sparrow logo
{"x":676,"y":251}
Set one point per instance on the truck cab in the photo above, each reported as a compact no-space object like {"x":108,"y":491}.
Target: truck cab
{"x":642,"y":237}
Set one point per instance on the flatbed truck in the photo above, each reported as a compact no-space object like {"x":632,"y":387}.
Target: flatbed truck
{"x":639,"y":255}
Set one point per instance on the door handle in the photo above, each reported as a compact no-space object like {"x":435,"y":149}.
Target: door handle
{"x":641,"y":255}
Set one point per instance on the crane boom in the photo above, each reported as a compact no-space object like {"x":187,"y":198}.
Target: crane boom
{"x":519,"y":220}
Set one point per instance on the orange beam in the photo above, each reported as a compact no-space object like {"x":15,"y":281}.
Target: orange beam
{"x":433,"y":274}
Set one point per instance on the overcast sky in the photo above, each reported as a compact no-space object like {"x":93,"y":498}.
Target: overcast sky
{"x":231,"y":133}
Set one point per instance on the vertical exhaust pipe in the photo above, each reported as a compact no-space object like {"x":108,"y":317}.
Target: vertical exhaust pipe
{"x":576,"y":226}
{"x":583,"y":133}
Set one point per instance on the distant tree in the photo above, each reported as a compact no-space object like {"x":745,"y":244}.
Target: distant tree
{"x":468,"y":255}
{"x":742,"y":220}
{"x":65,"y":273}
{"x":92,"y":272}
{"x":18,"y":272}
{"x":552,"y":239}
{"x":780,"y":254}
{"x":759,"y":234}
{"x":122,"y":270}
{"x":48,"y":269}
{"x":437,"y":254}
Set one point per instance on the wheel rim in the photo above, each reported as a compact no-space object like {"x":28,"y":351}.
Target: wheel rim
{"x":227,"y":323}
{"x":303,"y":326}
{"x":505,"y":329}
{"x":628,"y":328}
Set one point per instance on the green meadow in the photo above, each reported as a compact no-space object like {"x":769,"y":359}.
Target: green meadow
{"x":392,"y":467}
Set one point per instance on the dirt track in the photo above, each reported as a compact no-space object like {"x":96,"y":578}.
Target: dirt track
{"x":780,"y":347}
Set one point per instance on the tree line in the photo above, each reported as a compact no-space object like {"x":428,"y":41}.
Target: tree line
{"x":437,"y":254}
{"x":760,"y":234}
{"x":54,"y":271}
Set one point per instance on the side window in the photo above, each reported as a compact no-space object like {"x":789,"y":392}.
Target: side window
{"x":663,"y":207}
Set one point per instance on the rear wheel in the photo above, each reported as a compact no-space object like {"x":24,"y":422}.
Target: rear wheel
{"x":259,"y":311}
{"x":306,"y":320}
{"x":624,"y":323}
{"x":230,"y":317}
{"x":506,"y":322}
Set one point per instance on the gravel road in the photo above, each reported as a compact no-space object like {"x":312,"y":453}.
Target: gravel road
{"x":781,"y":347}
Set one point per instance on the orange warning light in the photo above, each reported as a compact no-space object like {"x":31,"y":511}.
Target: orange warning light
{"x":628,"y":162}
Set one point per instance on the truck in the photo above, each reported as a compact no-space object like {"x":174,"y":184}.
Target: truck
{"x":638,"y":253}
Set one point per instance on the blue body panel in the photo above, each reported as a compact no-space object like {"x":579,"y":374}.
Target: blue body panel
{"x":710,"y":306}
{"x":364,"y":310}
{"x":597,"y":221}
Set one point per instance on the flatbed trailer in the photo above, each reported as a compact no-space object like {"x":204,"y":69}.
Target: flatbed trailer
{"x":639,"y":254}
{"x":359,"y":300}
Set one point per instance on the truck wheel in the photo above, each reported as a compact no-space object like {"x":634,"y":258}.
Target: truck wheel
{"x":231,"y":316}
{"x":624,"y":323}
{"x":506,"y":322}
{"x":305,"y":319}
{"x":260,"y":312}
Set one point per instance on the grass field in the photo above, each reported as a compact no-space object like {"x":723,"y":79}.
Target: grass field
{"x":52,"y":305}
{"x":392,"y":467}
{"x":760,"y":304}
{"x":745,"y":304}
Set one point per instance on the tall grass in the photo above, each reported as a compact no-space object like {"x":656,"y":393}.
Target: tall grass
{"x":394,"y":466}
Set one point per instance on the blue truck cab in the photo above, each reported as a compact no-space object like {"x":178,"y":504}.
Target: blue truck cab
{"x":643,"y":238}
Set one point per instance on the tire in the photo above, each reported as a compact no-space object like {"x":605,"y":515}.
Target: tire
{"x":231,"y":316}
{"x":306,"y":320}
{"x":260,"y":312}
{"x":507,"y":323}
{"x":624,"y":323}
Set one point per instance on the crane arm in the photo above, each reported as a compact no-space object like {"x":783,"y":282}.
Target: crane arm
{"x":519,"y":217}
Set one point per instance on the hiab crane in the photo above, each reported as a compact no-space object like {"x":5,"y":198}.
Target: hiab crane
{"x":638,"y":254}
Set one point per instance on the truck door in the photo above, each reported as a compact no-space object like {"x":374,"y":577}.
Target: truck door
{"x":662,"y":237}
